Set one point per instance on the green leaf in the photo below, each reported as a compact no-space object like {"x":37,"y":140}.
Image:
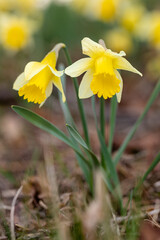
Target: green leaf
{"x":74,"y":133}
{"x":76,"y":136}
{"x":149,"y":170}
{"x":112,"y":170}
{"x":41,"y":123}
{"x":152,"y":98}
{"x":68,"y":118}
{"x":152,"y":166}
{"x":87,"y":171}
{"x":112,"y":121}
{"x":79,"y":101}
{"x":64,"y":105}
{"x":102,"y":116}
{"x":108,"y":160}
{"x":45,"y":125}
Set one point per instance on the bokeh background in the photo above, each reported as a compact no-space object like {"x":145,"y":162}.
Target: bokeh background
{"x":28,"y":30}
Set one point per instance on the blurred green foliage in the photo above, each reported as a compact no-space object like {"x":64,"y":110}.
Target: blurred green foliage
{"x":62,"y":24}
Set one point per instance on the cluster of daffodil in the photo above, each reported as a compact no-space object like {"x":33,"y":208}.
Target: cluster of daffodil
{"x":101,"y":78}
{"x":129,"y":20}
{"x":19,"y":19}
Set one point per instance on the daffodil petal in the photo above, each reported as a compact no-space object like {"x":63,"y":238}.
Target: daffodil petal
{"x":122,"y":53}
{"x":91,"y":48}
{"x":122,"y":63}
{"x":58,"y":84}
{"x":119,"y":95}
{"x":51,"y":58}
{"x":19,"y":82}
{"x":55,"y":72}
{"x":48,"y":92}
{"x":77,"y":68}
{"x":57,"y":48}
{"x":84,"y":88}
{"x":32,"y":68}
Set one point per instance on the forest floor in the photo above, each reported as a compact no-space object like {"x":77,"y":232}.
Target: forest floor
{"x":23,"y":149}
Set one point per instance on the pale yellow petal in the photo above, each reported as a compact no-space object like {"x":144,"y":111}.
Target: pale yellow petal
{"x":119,"y":95}
{"x":19,"y":82}
{"x":32,"y":68}
{"x":58,"y":84}
{"x":77,"y":68}
{"x":50,"y":59}
{"x":55,"y":72}
{"x":52,"y":56}
{"x":57,"y":48}
{"x":91,"y":48}
{"x":84,"y":88}
{"x":123,"y":64}
{"x":48,"y":92}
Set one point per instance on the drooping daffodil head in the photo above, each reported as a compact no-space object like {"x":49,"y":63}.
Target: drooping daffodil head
{"x":36,"y":82}
{"x":102,"y":77}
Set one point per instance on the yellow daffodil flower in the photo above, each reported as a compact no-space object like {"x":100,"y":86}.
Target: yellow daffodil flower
{"x":15,"y":32}
{"x":36,"y":82}
{"x":101,"y":77}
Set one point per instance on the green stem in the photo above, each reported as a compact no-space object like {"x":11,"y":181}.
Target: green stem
{"x":108,"y":166}
{"x":112,"y":122}
{"x":80,"y":104}
{"x":94,"y":112}
{"x":102,"y":116}
{"x":102,"y":124}
{"x":140,"y":119}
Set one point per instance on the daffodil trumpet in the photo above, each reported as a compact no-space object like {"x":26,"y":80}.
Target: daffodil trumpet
{"x":101,"y":70}
{"x":36,"y":82}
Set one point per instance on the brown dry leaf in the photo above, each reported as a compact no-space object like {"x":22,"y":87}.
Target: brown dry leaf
{"x":34,"y":188}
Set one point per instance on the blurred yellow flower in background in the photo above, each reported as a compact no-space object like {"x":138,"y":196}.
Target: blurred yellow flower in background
{"x":153,"y":68}
{"x":5,"y":5}
{"x":79,"y":5}
{"x":15,"y":32}
{"x":149,"y":29}
{"x":101,"y":77}
{"x":36,"y":82}
{"x":19,"y":5}
{"x":26,"y":5}
{"x":131,"y":16}
{"x":104,"y":10}
{"x":119,"y":39}
{"x":108,"y":9}
{"x":155,"y":29}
